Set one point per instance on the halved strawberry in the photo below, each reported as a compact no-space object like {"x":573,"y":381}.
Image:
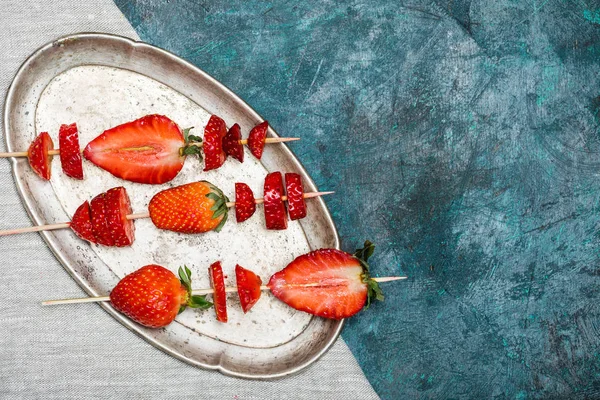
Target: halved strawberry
{"x":217,"y":282}
{"x":245,"y":205}
{"x":231,"y":143}
{"x":146,"y":150}
{"x":295,"y":196}
{"x":81,"y":223}
{"x":327,"y":282}
{"x":248,"y":286}
{"x":274,"y":206}
{"x":39,"y":160}
{"x":117,"y":208}
{"x":99,"y":221}
{"x":70,"y":155}
{"x":215,"y":130}
{"x":256,"y":139}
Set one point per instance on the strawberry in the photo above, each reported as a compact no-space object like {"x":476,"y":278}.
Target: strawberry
{"x":117,"y":207}
{"x":215,"y":130}
{"x":147,"y":150}
{"x":192,"y":208}
{"x":256,"y":139}
{"x":153,"y":296}
{"x":39,"y":160}
{"x":99,"y":221}
{"x":327,"y":282}
{"x":274,"y":206}
{"x":217,"y":282}
{"x":232,"y":145}
{"x":295,"y":196}
{"x":245,"y":205}
{"x":81,"y":223}
{"x":70,"y":156}
{"x":248,"y":286}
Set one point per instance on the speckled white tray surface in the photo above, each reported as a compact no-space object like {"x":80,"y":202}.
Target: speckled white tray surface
{"x":100,"y":81}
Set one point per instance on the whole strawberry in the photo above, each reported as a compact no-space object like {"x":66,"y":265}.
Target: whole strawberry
{"x":192,"y":208}
{"x":153,"y":295}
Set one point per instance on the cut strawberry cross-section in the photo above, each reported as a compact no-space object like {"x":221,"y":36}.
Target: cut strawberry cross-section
{"x":295,"y":196}
{"x":217,"y":282}
{"x":117,"y":207}
{"x":146,"y":150}
{"x":275,"y":216}
{"x":232,"y":145}
{"x":215,"y":130}
{"x":328,"y":282}
{"x":39,"y":159}
{"x":245,"y":206}
{"x":70,"y":155}
{"x":99,"y":221}
{"x":248,"y":286}
{"x":81,"y":223}
{"x":256,"y":139}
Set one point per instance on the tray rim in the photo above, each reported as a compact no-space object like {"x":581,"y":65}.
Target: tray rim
{"x":66,"y":264}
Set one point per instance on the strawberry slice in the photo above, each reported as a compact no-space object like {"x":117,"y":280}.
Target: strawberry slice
{"x":81,"y":223}
{"x":248,"y":286}
{"x":231,"y":143}
{"x":70,"y":156}
{"x":295,"y":196}
{"x":274,"y":206}
{"x":99,"y":221}
{"x":256,"y":140}
{"x":327,"y":282}
{"x":146,"y":150}
{"x":117,"y":208}
{"x":215,"y":130}
{"x":40,"y":161}
{"x":245,"y":206}
{"x":217,"y":282}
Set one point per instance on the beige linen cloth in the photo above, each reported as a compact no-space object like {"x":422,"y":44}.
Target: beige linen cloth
{"x":79,"y":351}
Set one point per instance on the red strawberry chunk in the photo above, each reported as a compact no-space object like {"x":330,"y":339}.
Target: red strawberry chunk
{"x":81,"y":223}
{"x":325,"y":282}
{"x":70,"y":156}
{"x":256,"y":139}
{"x":232,"y":145}
{"x":99,"y":221}
{"x":117,"y":208}
{"x":245,"y":205}
{"x":217,"y":282}
{"x":215,"y":130}
{"x":145,"y":150}
{"x":39,"y":160}
{"x":248,"y":286}
{"x":274,"y":206}
{"x":295,"y":196}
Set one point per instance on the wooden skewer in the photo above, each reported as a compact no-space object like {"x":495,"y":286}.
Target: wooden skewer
{"x":65,"y":225}
{"x":229,"y":289}
{"x":242,"y":142}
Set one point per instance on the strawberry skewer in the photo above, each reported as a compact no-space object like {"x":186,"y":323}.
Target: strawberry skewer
{"x":151,"y":149}
{"x":327,"y":282}
{"x":64,"y":225}
{"x":199,"y":292}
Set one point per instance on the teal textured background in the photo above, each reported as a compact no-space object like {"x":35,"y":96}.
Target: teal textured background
{"x":463,"y":138}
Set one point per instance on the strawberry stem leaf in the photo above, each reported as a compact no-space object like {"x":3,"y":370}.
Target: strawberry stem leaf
{"x":374,"y":292}
{"x":220,"y":206}
{"x":197,"y":301}
{"x":185,"y":276}
{"x":192,"y":143}
{"x":193,"y":301}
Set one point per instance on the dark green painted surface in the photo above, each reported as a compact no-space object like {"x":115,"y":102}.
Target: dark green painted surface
{"x":463,"y":138}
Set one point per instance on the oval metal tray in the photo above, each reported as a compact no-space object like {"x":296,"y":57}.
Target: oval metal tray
{"x":101,"y":80}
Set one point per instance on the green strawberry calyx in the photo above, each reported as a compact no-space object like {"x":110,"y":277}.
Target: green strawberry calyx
{"x":192,"y":301}
{"x":192,"y":144}
{"x":374,"y":291}
{"x":220,"y":206}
